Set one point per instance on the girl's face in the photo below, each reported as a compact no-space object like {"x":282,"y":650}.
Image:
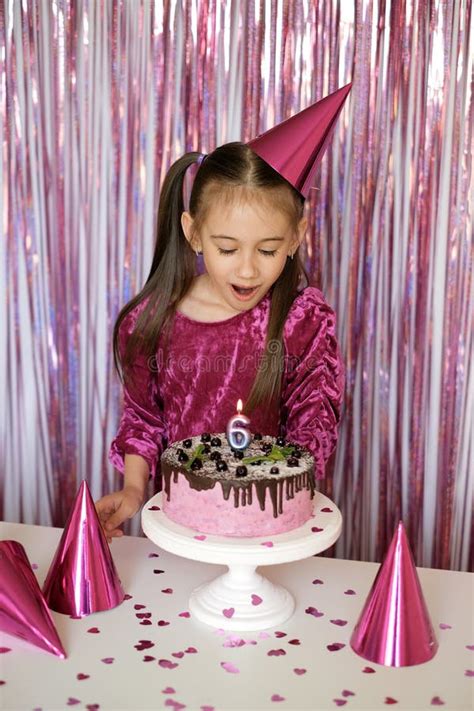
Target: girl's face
{"x":245,"y":245}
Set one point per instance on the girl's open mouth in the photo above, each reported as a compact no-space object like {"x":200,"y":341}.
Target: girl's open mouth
{"x":243,"y":294}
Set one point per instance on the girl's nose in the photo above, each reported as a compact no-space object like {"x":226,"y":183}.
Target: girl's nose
{"x":247,"y":268}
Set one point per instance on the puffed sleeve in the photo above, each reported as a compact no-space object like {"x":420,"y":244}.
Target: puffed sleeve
{"x":142,"y":428}
{"x":313,"y":379}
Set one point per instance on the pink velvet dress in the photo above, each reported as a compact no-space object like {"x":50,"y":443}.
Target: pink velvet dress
{"x":194,"y":386}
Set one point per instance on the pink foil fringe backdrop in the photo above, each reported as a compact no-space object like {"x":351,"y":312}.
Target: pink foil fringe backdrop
{"x":98,"y":98}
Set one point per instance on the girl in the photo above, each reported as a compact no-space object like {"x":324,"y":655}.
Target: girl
{"x":189,"y":346}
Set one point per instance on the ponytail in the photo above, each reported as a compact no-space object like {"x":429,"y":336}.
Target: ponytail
{"x":170,"y":276}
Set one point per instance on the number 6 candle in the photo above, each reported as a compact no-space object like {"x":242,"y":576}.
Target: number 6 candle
{"x":237,"y":436}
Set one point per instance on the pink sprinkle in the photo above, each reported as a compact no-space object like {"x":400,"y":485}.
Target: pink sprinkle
{"x":277,"y":697}
{"x":153,"y":555}
{"x":268,"y":544}
{"x":143,"y":615}
{"x":294,"y":641}
{"x":276,"y":652}
{"x":313,"y":611}
{"x":139,"y":607}
{"x":299,"y":671}
{"x":444,"y":626}
{"x":93,"y":630}
{"x":389,"y":700}
{"x":191,"y":650}
{"x":340,"y":623}
{"x":72,"y":701}
{"x":256,"y":600}
{"x":280,"y":634}
{"x":184,"y":614}
{"x":168,"y":591}
{"x":154,"y":508}
{"x":157,"y":572}
{"x":166,"y":664}
{"x":316,"y":529}
{"x":340,"y":702}
{"x":200,"y":538}
{"x":470,"y":647}
{"x":108,"y":660}
{"x":335,"y":646}
{"x":349,"y":592}
{"x":127,"y":597}
{"x":175,"y":704}
{"x":228,"y":612}
{"x":368,"y":670}
{"x":81,"y":677}
{"x":469,"y":672}
{"x":326,"y":509}
{"x":436,"y":701}
{"x":347,"y":693}
{"x":146,"y":622}
{"x":317,"y":581}
{"x":229,"y":667}
{"x":162,"y":623}
{"x":263,"y":635}
{"x":148,"y":658}
{"x":178,"y":655}
{"x":34,"y":566}
{"x":168,"y":690}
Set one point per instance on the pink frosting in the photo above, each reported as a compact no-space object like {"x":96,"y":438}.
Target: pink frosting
{"x":208,"y":511}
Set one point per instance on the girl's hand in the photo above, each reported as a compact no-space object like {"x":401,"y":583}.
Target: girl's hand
{"x":115,"y":508}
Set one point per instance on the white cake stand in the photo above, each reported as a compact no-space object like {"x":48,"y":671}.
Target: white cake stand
{"x":242,"y":599}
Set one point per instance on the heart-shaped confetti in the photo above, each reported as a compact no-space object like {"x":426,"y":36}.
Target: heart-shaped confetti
{"x":335,"y":646}
{"x":294,"y":641}
{"x":469,"y":672}
{"x":280,"y":634}
{"x":229,"y":667}
{"x":234,"y":642}
{"x":154,"y":508}
{"x":317,"y":581}
{"x":339,"y":623}
{"x":276,"y":652}
{"x":263,"y":635}
{"x":34,"y":566}
{"x":444,"y":626}
{"x":200,"y":538}
{"x":81,"y":677}
{"x":389,"y":700}
{"x":144,"y":644}
{"x":347,"y":693}
{"x":153,"y":555}
{"x":191,"y":650}
{"x":349,"y":592}
{"x":184,"y":614}
{"x":326,"y":509}
{"x":268,"y":544}
{"x":148,"y":658}
{"x":108,"y":660}
{"x":313,"y":611}
{"x":178,"y":655}
{"x":72,"y":701}
{"x":299,"y":671}
{"x":166,"y":664}
{"x":93,"y":630}
{"x":470,"y":647}
{"x":158,"y":572}
{"x":228,"y":612}
{"x":256,"y":600}
{"x":92,"y":707}
{"x":436,"y":701}
{"x":162,"y":623}
{"x":139,"y":607}
{"x":368,"y":670}
{"x":146,"y":622}
{"x":340,"y":702}
{"x":127,"y":596}
{"x":316,"y":529}
{"x":169,"y":690}
{"x":277,"y":697}
{"x":175,"y":704}
{"x":143,"y":615}
{"x":167,"y":591}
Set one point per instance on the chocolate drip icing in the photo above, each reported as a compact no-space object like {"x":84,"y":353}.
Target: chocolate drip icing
{"x":242,"y":488}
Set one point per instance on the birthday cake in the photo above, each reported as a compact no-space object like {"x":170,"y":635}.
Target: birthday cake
{"x":212,"y":488}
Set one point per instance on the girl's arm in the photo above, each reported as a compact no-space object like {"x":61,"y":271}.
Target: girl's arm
{"x":313,"y":383}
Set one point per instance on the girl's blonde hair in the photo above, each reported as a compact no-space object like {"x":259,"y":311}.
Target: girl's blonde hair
{"x":229,"y":167}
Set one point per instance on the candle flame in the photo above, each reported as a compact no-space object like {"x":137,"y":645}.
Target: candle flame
{"x":239,"y":406}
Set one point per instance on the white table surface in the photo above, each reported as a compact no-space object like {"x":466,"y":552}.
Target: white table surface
{"x":186,"y":664}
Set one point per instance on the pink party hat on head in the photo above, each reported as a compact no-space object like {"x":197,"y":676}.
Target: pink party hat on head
{"x":295,"y":147}
{"x":82,"y":577}
{"x":394,"y":627}
{"x":23,"y":609}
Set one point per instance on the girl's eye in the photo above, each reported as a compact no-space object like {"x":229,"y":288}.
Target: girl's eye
{"x":262,"y":251}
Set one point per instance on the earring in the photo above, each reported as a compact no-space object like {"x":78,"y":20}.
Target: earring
{"x":291,"y":256}
{"x":198,"y":253}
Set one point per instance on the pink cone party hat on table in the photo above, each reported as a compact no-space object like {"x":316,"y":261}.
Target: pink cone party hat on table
{"x":295,"y":147}
{"x":82,"y":577}
{"x":23,"y":609}
{"x":394,"y":627}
